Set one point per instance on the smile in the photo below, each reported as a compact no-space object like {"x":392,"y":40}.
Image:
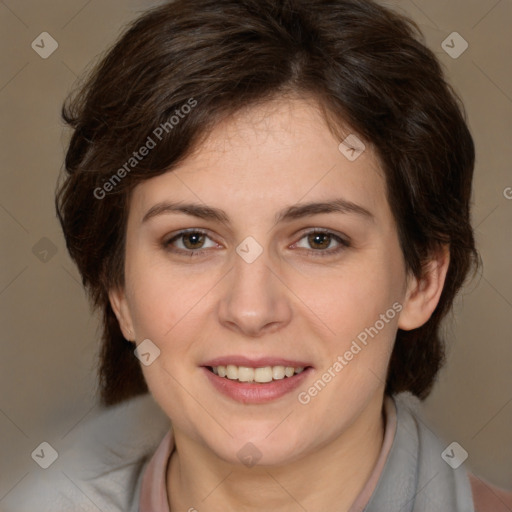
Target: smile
{"x":261,"y":375}
{"x":256,"y":385}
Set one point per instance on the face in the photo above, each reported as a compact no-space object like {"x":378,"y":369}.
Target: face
{"x":229,"y":261}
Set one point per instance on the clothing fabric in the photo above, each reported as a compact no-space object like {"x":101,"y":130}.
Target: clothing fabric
{"x":116,"y":463}
{"x":403,"y":478}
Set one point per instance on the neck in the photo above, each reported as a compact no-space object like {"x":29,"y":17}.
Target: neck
{"x":327,"y":479}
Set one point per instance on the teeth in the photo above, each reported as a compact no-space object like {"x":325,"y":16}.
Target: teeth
{"x":278,"y":372}
{"x":232,"y":371}
{"x":264,"y":374}
{"x":245,"y":374}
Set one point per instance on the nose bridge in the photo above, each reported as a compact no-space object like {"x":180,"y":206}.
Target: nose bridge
{"x":254,"y":299}
{"x":252,"y":272}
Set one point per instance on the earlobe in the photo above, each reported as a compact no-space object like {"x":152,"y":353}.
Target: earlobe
{"x":423,"y":294}
{"x":119,"y":305}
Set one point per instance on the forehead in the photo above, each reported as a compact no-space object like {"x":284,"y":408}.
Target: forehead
{"x":264,"y":156}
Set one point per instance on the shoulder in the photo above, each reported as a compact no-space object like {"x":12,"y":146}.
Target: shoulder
{"x":99,"y":465}
{"x":459,"y":482}
{"x":488,"y":497}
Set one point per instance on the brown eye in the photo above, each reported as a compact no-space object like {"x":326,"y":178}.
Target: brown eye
{"x":319,"y":240}
{"x":322,"y":243}
{"x":193,"y":240}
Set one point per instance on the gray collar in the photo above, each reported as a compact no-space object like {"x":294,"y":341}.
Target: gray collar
{"x":415,"y":477}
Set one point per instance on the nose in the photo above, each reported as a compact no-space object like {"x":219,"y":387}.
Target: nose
{"x":255,"y":300}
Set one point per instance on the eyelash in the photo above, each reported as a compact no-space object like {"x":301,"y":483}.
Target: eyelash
{"x":343,"y":243}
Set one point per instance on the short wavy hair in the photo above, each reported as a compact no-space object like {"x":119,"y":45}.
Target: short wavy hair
{"x":364,"y":65}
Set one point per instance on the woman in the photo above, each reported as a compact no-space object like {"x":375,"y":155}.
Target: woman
{"x":269,"y":202}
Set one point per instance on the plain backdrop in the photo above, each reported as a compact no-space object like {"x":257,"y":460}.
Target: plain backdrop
{"x":49,"y":337}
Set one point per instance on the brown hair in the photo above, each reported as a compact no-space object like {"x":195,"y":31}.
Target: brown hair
{"x":365,"y":66}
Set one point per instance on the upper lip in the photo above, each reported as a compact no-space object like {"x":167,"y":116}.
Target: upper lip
{"x":258,"y":362}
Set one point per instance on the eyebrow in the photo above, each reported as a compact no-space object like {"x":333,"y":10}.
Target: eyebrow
{"x":293,"y":212}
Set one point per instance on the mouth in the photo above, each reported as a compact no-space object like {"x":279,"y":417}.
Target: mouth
{"x":259,"y":383}
{"x":258,"y":375}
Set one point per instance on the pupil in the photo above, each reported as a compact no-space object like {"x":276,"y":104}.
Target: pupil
{"x":197,"y":238}
{"x":322,"y":239}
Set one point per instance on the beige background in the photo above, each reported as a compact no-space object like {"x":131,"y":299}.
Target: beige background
{"x":49,"y":337}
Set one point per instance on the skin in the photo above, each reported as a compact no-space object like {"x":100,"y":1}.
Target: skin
{"x":288,"y":302}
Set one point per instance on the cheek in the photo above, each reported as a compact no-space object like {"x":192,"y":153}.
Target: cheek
{"x":351,"y":296}
{"x":358,"y":306}
{"x":162,"y":295}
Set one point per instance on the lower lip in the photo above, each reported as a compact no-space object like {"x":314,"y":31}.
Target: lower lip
{"x":255,"y":393}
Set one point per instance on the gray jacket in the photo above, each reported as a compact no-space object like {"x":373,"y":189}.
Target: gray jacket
{"x":100,"y":466}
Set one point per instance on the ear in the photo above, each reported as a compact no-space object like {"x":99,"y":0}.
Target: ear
{"x":423,"y":294}
{"x":121,"y":310}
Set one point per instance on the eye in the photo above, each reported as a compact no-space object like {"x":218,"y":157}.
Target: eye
{"x":318,"y":242}
{"x":191,"y":241}
{"x":321,"y":242}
